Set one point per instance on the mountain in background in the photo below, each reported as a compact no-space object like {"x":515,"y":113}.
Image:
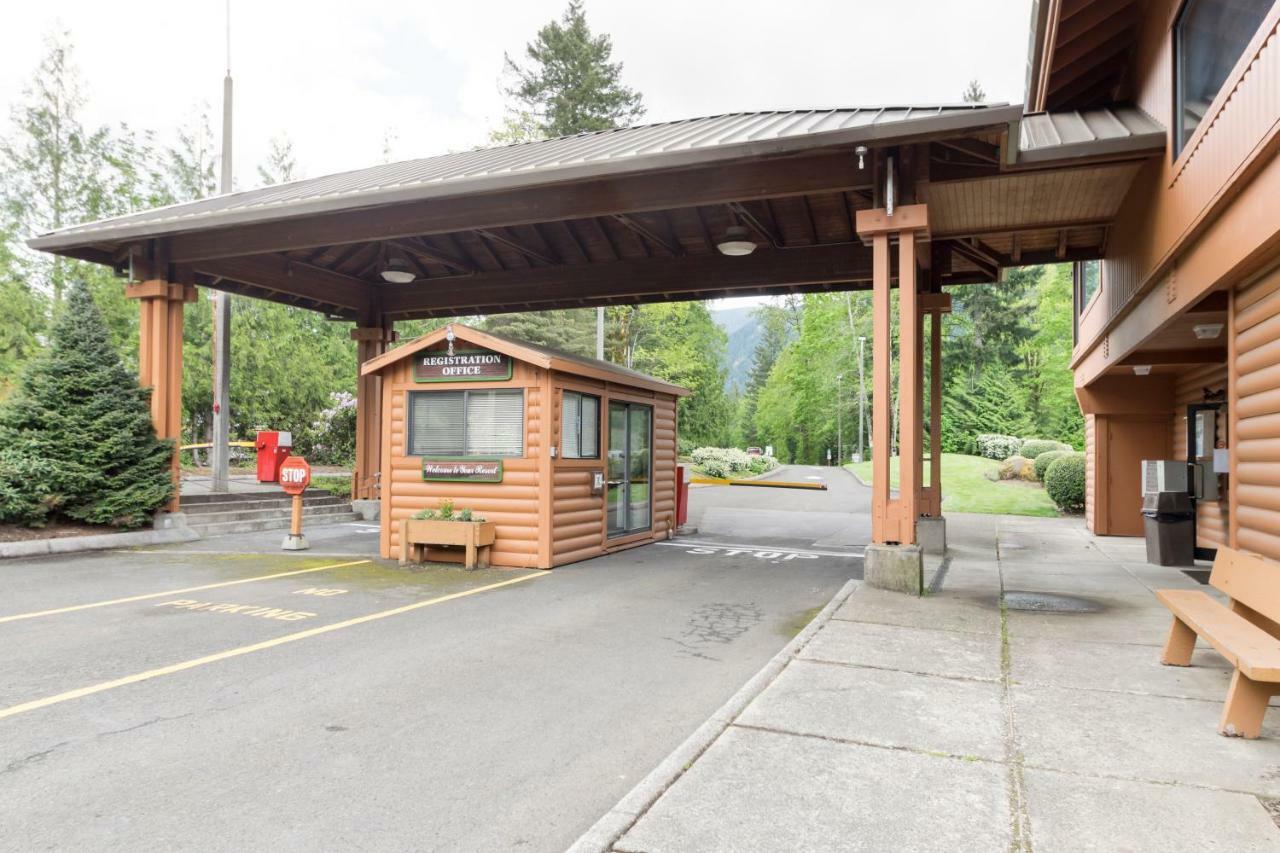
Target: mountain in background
{"x":743,"y":329}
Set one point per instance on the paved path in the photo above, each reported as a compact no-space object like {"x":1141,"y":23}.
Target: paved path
{"x":953,"y":723}
{"x":840,"y":516}
{"x":223,"y":701}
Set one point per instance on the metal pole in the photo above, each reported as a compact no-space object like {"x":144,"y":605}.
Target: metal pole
{"x":220,"y":460}
{"x":862,"y":398}
{"x":839,"y":420}
{"x":600,"y":333}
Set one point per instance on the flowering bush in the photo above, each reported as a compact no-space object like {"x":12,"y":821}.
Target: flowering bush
{"x":331,"y":440}
{"x":995,"y":446}
{"x":730,"y":461}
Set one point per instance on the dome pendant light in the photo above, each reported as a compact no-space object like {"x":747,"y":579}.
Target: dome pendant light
{"x":736,"y":242}
{"x":398,"y":271}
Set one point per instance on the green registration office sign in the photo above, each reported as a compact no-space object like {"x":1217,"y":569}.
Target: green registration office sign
{"x":478,"y":365}
{"x":461,"y":470}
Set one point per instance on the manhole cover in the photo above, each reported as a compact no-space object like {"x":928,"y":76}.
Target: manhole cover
{"x":1047,"y":602}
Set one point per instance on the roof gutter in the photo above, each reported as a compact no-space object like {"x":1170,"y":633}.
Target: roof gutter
{"x":960,"y":121}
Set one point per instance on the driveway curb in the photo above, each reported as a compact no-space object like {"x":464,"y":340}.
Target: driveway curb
{"x":605,"y":832}
{"x":96,"y":542}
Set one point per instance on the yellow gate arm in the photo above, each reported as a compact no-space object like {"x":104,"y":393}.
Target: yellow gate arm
{"x":210,"y":444}
{"x":767,"y":484}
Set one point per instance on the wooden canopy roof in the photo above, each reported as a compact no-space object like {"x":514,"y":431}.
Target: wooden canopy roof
{"x":545,"y":357}
{"x":1080,"y":52}
{"x":634,"y":215}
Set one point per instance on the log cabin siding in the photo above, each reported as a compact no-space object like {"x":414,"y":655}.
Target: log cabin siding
{"x":1256,"y":399}
{"x":1212,"y":517}
{"x":1090,"y":471}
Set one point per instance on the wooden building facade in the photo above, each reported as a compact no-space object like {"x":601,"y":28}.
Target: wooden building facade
{"x":1181,"y":314}
{"x":571,"y":457}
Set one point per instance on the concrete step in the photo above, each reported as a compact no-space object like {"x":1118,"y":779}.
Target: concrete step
{"x":253,"y":525}
{"x":204,"y":519}
{"x":216,"y":507}
{"x":224,"y":497}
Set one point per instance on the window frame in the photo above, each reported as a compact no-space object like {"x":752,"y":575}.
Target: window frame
{"x":466,"y":410}
{"x":1081,"y":307}
{"x":564,"y":393}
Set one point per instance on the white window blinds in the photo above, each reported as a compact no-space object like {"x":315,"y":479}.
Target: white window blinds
{"x":580,"y":426}
{"x":466,"y":423}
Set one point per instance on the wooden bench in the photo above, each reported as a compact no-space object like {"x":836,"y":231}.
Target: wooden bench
{"x":1247,"y":634}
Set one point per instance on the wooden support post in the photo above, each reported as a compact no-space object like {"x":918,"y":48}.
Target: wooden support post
{"x":894,"y":522}
{"x":909,"y":356}
{"x":935,"y":411}
{"x":371,"y":341}
{"x":160,"y":310}
{"x":923,"y":500}
{"x":881,"y":392}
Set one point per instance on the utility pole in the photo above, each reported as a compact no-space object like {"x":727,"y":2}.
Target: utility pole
{"x":222,"y":315}
{"x":600,"y":333}
{"x":862,"y":396}
{"x":839,"y":421}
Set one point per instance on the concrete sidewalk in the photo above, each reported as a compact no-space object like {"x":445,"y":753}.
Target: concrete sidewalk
{"x":954,"y":723}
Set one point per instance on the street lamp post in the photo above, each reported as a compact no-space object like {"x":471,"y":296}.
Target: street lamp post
{"x":839,"y":421}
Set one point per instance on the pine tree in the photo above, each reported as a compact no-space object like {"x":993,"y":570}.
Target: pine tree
{"x":573,"y":331}
{"x":570,"y":85}
{"x":76,"y":438}
{"x":281,"y":166}
{"x":974,"y":93}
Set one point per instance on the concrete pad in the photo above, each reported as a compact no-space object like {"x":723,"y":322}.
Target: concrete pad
{"x":1073,"y":814}
{"x":757,"y":790}
{"x":898,"y":568}
{"x":1147,"y":738}
{"x":977,"y":613}
{"x":884,"y":707}
{"x":932,"y":535}
{"x":1146,"y":627}
{"x":1117,"y":667}
{"x":1117,"y":583}
{"x":922,"y":650}
{"x":1107,"y":569}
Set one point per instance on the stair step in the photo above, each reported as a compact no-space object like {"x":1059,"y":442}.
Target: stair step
{"x":252,"y":526}
{"x":215,"y":507}
{"x":204,"y":519}
{"x":222,"y":497}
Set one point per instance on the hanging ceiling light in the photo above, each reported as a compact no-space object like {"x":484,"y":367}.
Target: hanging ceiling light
{"x":736,"y":242}
{"x":398,"y":271}
{"x":1142,"y":369}
{"x":1207,"y":331}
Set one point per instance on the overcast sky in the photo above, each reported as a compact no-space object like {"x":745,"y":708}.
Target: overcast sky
{"x":335,"y":75}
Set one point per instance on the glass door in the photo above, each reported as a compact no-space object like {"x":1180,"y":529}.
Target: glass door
{"x":630,"y":508}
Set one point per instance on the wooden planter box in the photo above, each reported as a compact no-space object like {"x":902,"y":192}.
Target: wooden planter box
{"x":416,"y":534}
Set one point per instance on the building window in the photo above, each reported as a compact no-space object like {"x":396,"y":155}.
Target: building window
{"x":1087,"y":280}
{"x":580,"y":426}
{"x":466,"y":423}
{"x":1208,"y":39}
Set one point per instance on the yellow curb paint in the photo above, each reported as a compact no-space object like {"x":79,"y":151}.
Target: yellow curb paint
{"x":170,"y":592}
{"x":14,"y":710}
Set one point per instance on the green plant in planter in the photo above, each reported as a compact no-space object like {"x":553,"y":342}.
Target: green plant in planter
{"x":445,"y":513}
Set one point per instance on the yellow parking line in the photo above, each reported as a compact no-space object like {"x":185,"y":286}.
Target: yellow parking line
{"x":256,"y":647}
{"x":74,"y":607}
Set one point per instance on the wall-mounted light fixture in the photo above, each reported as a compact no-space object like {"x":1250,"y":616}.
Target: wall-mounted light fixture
{"x":736,"y":242}
{"x":1207,"y":331}
{"x":1142,"y":369}
{"x":861,"y":151}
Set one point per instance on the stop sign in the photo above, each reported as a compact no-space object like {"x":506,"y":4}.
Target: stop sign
{"x":295,"y":475}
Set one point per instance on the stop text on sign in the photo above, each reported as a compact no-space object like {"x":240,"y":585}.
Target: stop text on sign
{"x":760,"y":555}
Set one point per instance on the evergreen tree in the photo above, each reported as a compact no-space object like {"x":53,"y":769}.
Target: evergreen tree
{"x":571,"y":330}
{"x":21,"y":320}
{"x":688,"y":348}
{"x":774,"y":334}
{"x":569,"y":84}
{"x":974,"y":93}
{"x":191,"y":166}
{"x":281,"y":166}
{"x":76,"y":438}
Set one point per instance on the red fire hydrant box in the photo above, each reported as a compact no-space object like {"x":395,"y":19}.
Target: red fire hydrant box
{"x":273,"y":448}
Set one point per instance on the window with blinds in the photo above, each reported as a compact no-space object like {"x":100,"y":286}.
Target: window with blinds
{"x":579,"y":426}
{"x":466,"y":423}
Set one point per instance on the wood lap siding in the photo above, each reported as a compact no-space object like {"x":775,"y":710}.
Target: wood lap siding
{"x":664,"y":465}
{"x":1257,"y":441}
{"x":1090,"y":471}
{"x":1212,"y":519}
{"x":513,"y":505}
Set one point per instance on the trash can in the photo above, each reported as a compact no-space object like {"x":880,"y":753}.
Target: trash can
{"x":273,"y":448}
{"x":1168,"y":519}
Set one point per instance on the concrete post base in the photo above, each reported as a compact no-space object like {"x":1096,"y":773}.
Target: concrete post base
{"x":367,"y":510}
{"x":932,"y":533}
{"x":295,"y":543}
{"x":898,"y":568}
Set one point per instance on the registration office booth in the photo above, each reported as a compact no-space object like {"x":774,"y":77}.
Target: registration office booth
{"x":570,"y":457}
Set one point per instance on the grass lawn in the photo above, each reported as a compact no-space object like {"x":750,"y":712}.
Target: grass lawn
{"x":965,"y":487}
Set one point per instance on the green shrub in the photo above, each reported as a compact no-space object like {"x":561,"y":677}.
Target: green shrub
{"x":77,"y":433}
{"x":1033,"y":447}
{"x":995,"y":446}
{"x":1044,"y":460}
{"x":1064,"y":481}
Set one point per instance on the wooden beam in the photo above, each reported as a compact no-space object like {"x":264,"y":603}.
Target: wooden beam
{"x":515,"y":246}
{"x":428,"y":253}
{"x":647,"y":234}
{"x":281,"y":275}
{"x":628,"y":279}
{"x":754,"y":179}
{"x":1189,"y":355}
